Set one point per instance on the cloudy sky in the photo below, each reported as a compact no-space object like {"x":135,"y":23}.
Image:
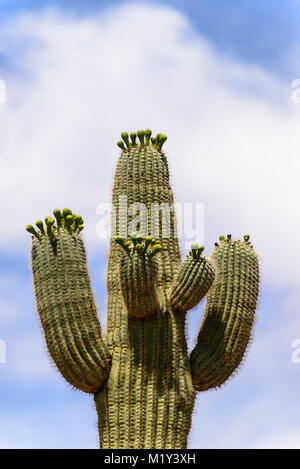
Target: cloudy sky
{"x":216,"y":77}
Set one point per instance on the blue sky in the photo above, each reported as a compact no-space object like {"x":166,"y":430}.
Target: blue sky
{"x":216,"y":77}
{"x":260,"y":32}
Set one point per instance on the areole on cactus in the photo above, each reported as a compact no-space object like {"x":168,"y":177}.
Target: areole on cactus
{"x":143,"y":381}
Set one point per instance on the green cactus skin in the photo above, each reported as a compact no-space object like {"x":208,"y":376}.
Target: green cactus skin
{"x":143,"y":381}
{"x":138,"y":279}
{"x":229,"y":315}
{"x":67,"y":309}
{"x":194,"y":279}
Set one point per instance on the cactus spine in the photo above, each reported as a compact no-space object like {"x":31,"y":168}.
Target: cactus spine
{"x":143,"y":380}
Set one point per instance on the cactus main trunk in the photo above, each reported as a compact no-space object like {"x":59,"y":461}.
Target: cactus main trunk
{"x":148,"y":399}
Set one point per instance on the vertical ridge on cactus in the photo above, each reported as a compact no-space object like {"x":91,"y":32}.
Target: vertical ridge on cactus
{"x":143,"y":381}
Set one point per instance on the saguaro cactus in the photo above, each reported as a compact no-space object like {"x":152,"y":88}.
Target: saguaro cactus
{"x":143,"y":381}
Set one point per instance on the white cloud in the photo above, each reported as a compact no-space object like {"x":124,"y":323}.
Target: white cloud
{"x":78,"y":82}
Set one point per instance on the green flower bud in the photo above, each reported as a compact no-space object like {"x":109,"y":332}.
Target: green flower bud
{"x":148,"y":134}
{"x":78,"y":221}
{"x":66,"y":212}
{"x":124,"y":136}
{"x":49,"y":223}
{"x":148,"y":241}
{"x":40,"y":226}
{"x":69,"y":220}
{"x":162,"y":139}
{"x":140,"y":249}
{"x":156,"y":249}
{"x":121,"y":145}
{"x":141,"y":135}
{"x":58,"y":215}
{"x":32,"y":230}
{"x":133,"y":137}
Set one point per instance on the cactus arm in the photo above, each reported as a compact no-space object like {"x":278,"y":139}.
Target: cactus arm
{"x":138,"y":275}
{"x":193,"y":281}
{"x":65,"y":302}
{"x":229,"y":315}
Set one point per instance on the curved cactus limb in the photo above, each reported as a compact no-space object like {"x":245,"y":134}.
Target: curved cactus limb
{"x":229,"y":315}
{"x":65,"y":302}
{"x":194,"y":279}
